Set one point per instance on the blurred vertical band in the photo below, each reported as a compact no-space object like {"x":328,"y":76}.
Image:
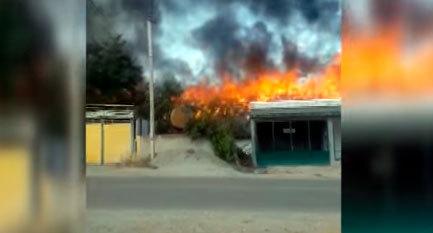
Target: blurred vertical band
{"x":42,"y":79}
{"x":387,"y":117}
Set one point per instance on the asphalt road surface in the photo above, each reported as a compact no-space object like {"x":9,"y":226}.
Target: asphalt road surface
{"x":147,"y":193}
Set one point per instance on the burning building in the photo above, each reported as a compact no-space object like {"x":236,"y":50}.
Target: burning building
{"x":294,"y":120}
{"x":296,"y":132}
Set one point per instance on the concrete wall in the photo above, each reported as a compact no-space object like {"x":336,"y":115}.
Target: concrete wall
{"x":337,"y":138}
{"x":334,"y":136}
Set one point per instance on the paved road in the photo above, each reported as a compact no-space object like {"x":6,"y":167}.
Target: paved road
{"x":213,"y":193}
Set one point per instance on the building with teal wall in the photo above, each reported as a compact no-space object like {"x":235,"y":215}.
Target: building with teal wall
{"x":296,"y":132}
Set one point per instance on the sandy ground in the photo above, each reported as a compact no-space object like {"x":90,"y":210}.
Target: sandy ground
{"x":180,"y":221}
{"x":305,"y":172}
{"x":177,"y":155}
{"x":194,"y":170}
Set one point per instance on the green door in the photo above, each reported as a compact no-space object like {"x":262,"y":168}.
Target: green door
{"x":300,"y":142}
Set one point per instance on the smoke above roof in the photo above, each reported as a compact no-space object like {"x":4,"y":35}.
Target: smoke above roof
{"x":197,"y":39}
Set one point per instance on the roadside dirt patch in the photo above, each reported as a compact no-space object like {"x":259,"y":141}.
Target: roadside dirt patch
{"x":333,"y":172}
{"x":177,"y":221}
{"x":179,"y":155}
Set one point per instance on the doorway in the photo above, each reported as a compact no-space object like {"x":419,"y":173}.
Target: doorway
{"x":292,"y":142}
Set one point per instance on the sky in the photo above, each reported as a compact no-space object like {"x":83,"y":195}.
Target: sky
{"x":197,"y":39}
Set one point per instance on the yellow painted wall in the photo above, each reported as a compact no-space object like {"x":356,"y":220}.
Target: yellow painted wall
{"x":15,"y":186}
{"x":117,"y":143}
{"x":93,"y":143}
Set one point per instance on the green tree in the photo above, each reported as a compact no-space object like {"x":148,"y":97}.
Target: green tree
{"x":112,"y":73}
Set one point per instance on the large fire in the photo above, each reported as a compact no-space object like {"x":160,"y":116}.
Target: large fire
{"x":232,"y":97}
{"x":383,"y":64}
{"x":373,"y":64}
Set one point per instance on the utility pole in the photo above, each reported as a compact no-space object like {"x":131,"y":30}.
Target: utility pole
{"x":151,"y":87}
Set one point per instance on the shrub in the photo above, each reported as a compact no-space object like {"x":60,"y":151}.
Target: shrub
{"x":219,"y":133}
{"x":240,"y":127}
{"x":201,"y":128}
{"x":223,"y":143}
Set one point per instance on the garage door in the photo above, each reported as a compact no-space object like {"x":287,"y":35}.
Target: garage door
{"x":93,"y":143}
{"x":117,"y":142}
{"x":300,"y":142}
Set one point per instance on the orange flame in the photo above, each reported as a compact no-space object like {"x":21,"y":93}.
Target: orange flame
{"x":232,"y":97}
{"x":373,"y":65}
{"x":379,"y":65}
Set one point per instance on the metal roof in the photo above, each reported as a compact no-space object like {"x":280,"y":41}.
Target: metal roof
{"x":110,"y":111}
{"x":296,"y":108}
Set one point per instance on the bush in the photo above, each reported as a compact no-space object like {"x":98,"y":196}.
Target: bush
{"x":219,"y":133}
{"x":202,"y":128}
{"x":223,"y":143}
{"x":240,"y":127}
